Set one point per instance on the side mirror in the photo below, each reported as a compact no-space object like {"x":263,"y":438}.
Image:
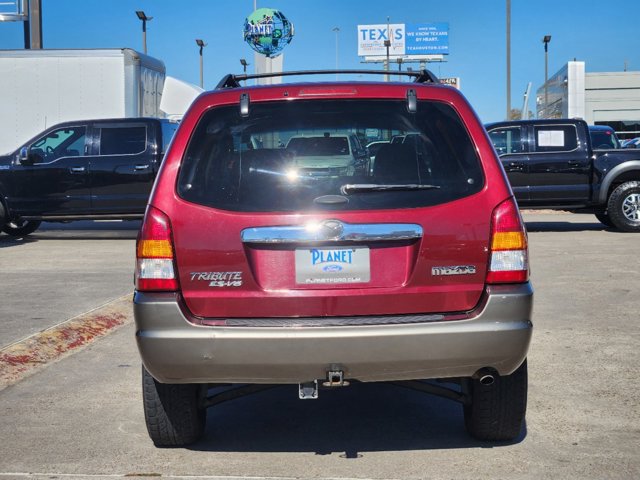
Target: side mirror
{"x":24,"y":157}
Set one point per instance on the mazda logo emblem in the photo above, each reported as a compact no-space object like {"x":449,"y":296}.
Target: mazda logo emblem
{"x":331,"y":229}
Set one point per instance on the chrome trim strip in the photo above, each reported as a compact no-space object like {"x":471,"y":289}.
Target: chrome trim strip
{"x":332,"y":231}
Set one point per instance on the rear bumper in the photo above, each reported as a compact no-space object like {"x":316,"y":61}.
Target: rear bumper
{"x":174,"y":350}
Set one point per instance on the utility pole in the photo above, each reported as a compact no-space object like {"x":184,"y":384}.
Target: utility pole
{"x":26,"y":25}
{"x":33,"y":25}
{"x":508,"y":59}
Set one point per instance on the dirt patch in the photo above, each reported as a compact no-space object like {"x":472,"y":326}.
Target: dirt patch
{"x":27,"y":356}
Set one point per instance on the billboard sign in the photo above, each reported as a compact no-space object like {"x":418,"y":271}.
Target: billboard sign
{"x":427,"y":38}
{"x":406,"y":39}
{"x":451,"y":81}
{"x":371,"y":39}
{"x":14,"y":11}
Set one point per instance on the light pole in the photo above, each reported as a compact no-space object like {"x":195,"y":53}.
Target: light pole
{"x":546,"y":40}
{"x":201,"y":44}
{"x":141,"y":15}
{"x":387,"y":44}
{"x":508,"y":59}
{"x":244,"y":64}
{"x":337,"y":30}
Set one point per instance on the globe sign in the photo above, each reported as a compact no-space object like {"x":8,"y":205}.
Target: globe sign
{"x":268,"y":31}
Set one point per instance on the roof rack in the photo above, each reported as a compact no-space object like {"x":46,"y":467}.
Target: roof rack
{"x":233,"y":81}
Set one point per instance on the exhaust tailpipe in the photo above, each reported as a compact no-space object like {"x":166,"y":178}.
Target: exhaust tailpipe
{"x":485,"y":376}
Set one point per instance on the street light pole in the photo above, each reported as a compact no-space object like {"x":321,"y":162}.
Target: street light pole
{"x":546,"y":40}
{"x":244,"y":64}
{"x":337,"y":30}
{"x":201,"y":44}
{"x":142,"y":16}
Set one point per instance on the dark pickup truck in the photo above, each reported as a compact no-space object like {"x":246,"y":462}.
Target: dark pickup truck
{"x":552,"y":164}
{"x":89,"y":169}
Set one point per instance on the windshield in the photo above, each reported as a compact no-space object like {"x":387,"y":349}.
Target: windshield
{"x":298,"y":156}
{"x":325,"y":145}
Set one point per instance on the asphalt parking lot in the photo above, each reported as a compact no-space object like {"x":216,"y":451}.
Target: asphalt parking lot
{"x":62,"y":270}
{"x":81,"y":415}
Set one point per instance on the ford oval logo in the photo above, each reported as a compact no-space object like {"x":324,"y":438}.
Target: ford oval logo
{"x":332,"y":268}
{"x":331,"y":229}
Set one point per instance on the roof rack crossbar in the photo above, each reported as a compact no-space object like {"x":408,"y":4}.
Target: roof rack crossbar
{"x":233,"y":81}
{"x":228,"y":81}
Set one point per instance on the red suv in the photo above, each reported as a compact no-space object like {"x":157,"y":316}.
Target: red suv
{"x":254,"y":270}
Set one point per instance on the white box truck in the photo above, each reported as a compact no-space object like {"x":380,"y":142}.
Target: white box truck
{"x":40,"y":88}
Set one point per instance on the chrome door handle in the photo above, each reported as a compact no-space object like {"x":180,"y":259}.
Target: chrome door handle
{"x":78,"y":169}
{"x":141,"y":167}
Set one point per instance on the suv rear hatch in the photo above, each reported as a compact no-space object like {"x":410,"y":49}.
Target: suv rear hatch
{"x":406,"y":233}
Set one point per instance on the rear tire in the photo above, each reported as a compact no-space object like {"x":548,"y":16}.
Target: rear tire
{"x":624,"y":207}
{"x":172,"y":412}
{"x":497,"y":411}
{"x":20,"y":227}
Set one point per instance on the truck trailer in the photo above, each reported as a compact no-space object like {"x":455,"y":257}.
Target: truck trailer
{"x":40,"y":88}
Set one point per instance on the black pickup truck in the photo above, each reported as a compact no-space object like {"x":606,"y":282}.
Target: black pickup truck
{"x":89,"y":169}
{"x":552,"y":164}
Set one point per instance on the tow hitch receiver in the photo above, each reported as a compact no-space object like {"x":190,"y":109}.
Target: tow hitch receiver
{"x":335,"y":378}
{"x":308,"y":390}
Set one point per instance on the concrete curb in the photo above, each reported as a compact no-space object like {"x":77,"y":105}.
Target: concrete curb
{"x":25,"y":357}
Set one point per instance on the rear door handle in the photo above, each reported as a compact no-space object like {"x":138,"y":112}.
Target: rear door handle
{"x":78,"y":169}
{"x":141,"y":167}
{"x":573,"y":164}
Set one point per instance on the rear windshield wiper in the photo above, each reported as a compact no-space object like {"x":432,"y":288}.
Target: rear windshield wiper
{"x":350,"y":188}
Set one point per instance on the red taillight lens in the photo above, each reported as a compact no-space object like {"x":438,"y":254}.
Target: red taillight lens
{"x":155,"y":269}
{"x":509,"y":262}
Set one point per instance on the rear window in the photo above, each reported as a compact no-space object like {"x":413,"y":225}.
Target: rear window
{"x":122,"y":140}
{"x":295,"y":156}
{"x":555,"y":138}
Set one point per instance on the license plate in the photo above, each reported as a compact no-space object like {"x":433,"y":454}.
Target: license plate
{"x":332,"y":266}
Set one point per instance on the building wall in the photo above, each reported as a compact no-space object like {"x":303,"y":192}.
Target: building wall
{"x":605,"y":98}
{"x":612,"y":96}
{"x":564,"y":93}
{"x":575,"y":90}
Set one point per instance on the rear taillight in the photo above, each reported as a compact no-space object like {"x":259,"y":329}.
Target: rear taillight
{"x":154,"y":254}
{"x":509,"y":261}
